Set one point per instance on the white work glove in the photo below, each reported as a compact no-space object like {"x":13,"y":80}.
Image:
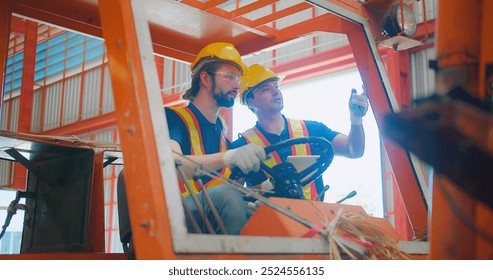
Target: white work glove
{"x":246,"y":158}
{"x":253,"y":206}
{"x":267,"y":186}
{"x":358,"y":106}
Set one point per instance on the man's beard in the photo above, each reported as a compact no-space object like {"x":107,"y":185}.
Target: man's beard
{"x":222,"y":98}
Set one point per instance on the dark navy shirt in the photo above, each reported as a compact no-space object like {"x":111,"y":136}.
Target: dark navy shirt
{"x":211,"y":132}
{"x":315,"y":129}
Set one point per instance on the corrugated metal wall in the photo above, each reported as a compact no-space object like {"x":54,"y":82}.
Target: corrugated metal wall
{"x":14,"y":118}
{"x":71,"y":95}
{"x":431,"y":10}
{"x":10,"y":116}
{"x":5,"y":174}
{"x":52,"y":106}
{"x":36,"y":110}
{"x":5,"y":116}
{"x":84,"y":96}
{"x":108,"y":101}
{"x":91,"y":93}
{"x":423,"y":81}
{"x":176,"y":76}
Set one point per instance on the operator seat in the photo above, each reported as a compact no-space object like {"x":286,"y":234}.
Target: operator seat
{"x":124,"y":218}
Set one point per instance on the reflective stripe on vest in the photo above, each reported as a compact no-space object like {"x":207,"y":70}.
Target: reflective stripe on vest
{"x":197,"y":148}
{"x":297,"y":129}
{"x":253,"y":135}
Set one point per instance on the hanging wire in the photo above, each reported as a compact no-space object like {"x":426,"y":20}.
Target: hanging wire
{"x":326,"y":231}
{"x":12,"y":210}
{"x":352,"y":233}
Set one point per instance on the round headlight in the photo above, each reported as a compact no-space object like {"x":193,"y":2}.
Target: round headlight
{"x":392,"y":22}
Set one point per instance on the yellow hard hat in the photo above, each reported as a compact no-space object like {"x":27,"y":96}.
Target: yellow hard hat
{"x":219,"y":51}
{"x":258,"y":74}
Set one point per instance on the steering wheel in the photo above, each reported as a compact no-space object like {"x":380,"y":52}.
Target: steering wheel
{"x":288,"y":182}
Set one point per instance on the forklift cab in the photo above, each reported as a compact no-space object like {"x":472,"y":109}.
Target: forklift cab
{"x":297,"y":228}
{"x":64,"y":211}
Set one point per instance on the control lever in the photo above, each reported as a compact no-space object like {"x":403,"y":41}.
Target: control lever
{"x":349,"y":195}
{"x":318,"y":198}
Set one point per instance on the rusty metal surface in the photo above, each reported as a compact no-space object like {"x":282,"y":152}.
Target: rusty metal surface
{"x":42,"y":147}
{"x":452,"y":136}
{"x":63,"y":185}
{"x":59,"y":202}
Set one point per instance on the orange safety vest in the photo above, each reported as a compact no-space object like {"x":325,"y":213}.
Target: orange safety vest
{"x":297,"y":129}
{"x":197,"y":148}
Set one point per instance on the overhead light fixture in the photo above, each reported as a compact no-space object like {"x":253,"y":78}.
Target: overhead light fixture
{"x":396,"y":22}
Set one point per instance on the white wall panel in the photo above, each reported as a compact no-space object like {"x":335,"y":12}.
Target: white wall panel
{"x":5,"y":172}
{"x":71,"y":100}
{"x":91,"y":93}
{"x":168,"y":76}
{"x":14,"y":114}
{"x":327,"y":41}
{"x":267,"y":10}
{"x":108,"y":101}
{"x":5,"y":115}
{"x":105,"y":136}
{"x":52,"y":106}
{"x":422,"y":77}
{"x":264,"y":58}
{"x":36,"y":111}
{"x":177,"y":80}
{"x":293,"y":19}
{"x":183,"y":77}
{"x":431,"y":10}
{"x":294,"y":51}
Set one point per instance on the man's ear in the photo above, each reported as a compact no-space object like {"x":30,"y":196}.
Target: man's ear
{"x":203,"y":75}
{"x":205,"y":79}
{"x":249,"y":103}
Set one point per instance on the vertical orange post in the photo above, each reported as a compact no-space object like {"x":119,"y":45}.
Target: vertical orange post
{"x":380,"y":103}
{"x":95,"y":242}
{"x":27,"y":93}
{"x":485,"y":89}
{"x":160,"y":70}
{"x":28,"y":68}
{"x":460,"y":223}
{"x":131,"y":62}
{"x":458,"y":48}
{"x":5,"y":17}
{"x":452,"y":238}
{"x":5,"y":21}
{"x":399,"y":72}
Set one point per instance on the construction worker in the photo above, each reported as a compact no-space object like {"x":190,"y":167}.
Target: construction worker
{"x":197,"y":132}
{"x":260,"y":92}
